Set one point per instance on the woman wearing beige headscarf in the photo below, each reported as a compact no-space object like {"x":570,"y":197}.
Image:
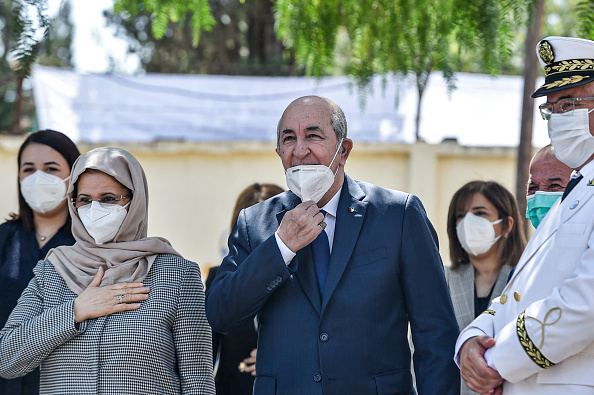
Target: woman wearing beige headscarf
{"x":118,"y":312}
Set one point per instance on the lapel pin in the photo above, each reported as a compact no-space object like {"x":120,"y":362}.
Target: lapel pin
{"x":574,"y":204}
{"x":591,"y":183}
{"x":351,"y":209}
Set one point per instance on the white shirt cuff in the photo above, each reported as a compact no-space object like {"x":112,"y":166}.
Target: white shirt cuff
{"x":287,"y":254}
{"x":467,"y":334}
{"x":489,"y":358}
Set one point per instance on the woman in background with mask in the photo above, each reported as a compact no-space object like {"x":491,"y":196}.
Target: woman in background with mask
{"x":235,"y":351}
{"x":42,"y":222}
{"x":486,"y":242}
{"x":118,"y":312}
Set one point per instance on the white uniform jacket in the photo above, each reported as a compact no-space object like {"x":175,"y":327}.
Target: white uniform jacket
{"x":543,"y":322}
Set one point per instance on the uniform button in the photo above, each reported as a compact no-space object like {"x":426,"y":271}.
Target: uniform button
{"x":317,"y":377}
{"x":324,"y":337}
{"x":517,"y":296}
{"x":503,"y":299}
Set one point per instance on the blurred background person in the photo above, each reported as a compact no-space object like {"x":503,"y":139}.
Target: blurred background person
{"x":118,"y":312}
{"x":547,"y":179}
{"x":485,"y":244}
{"x":42,"y":222}
{"x":235,"y":352}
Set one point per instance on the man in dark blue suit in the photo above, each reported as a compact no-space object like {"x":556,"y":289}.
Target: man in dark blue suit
{"x":335,"y":290}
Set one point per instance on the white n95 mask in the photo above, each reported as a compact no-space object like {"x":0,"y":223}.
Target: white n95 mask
{"x":311,"y":182}
{"x":102,"y":221}
{"x":43,"y":192}
{"x":476,"y":234}
{"x":571,"y":138}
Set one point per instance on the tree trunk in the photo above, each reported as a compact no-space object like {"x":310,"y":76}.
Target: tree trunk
{"x":421,"y":79}
{"x":530,"y":72}
{"x":18,"y":108}
{"x":418,"y":117}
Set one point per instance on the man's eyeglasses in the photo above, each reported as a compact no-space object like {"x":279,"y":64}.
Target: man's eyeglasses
{"x":81,"y":201}
{"x":563,"y":106}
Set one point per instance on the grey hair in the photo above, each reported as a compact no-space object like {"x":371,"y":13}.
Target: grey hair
{"x":337,"y":120}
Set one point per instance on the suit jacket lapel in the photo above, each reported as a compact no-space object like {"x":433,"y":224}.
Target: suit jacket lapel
{"x":574,"y":202}
{"x":462,"y":294}
{"x":501,"y":280}
{"x":346,"y":233}
{"x":303,"y":262}
{"x":545,"y":230}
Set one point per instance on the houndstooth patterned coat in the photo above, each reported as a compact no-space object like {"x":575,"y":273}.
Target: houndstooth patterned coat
{"x":162,"y":348}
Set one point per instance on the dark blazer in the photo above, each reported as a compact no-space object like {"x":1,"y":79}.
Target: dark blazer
{"x":229,"y":350}
{"x":384,"y":271}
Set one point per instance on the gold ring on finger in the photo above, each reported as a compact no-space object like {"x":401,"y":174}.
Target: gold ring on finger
{"x":242,"y":367}
{"x":322,"y":225}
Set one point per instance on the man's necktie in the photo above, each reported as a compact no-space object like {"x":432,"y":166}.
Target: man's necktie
{"x":570,"y":185}
{"x":321,"y":255}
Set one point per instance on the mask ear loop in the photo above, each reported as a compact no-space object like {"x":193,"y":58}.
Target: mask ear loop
{"x":65,"y":193}
{"x":335,"y":154}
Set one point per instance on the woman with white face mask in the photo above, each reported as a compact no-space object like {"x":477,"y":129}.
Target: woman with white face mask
{"x":485,"y":243}
{"x":42,"y":222}
{"x":118,"y":312}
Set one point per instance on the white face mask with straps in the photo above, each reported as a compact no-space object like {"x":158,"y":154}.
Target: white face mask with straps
{"x":476,"y":234}
{"x":571,"y":138}
{"x":102,"y":221}
{"x":311,"y":182}
{"x":43,"y":192}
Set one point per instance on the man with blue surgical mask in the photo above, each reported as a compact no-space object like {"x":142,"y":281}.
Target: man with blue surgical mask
{"x":537,"y":337}
{"x":547,"y":179}
{"x":335,"y":270}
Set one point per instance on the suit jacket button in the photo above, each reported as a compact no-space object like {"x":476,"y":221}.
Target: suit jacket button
{"x":317,"y":377}
{"x":269,"y":287}
{"x":324,"y":337}
{"x":279,"y":279}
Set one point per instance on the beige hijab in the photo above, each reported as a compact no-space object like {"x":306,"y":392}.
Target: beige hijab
{"x":131,"y":254}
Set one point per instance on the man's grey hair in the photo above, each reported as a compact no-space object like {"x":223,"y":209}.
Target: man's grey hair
{"x":338,"y":122}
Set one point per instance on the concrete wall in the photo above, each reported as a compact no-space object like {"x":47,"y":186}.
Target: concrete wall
{"x":193,"y":186}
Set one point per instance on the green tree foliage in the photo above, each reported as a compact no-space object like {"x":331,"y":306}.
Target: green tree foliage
{"x":406,"y":37}
{"x":28,"y":35}
{"x":411,"y":37}
{"x":176,"y":11}
{"x":585,"y":10}
{"x":243,"y":42}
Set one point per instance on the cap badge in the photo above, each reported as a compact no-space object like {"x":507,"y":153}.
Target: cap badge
{"x":546,"y":52}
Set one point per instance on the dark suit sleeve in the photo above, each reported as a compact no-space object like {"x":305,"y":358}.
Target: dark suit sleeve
{"x":245,"y":279}
{"x":432,"y":319}
{"x":212,"y":272}
{"x":217,"y":338}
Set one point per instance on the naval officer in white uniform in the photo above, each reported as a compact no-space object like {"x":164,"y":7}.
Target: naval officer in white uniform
{"x":538,"y":336}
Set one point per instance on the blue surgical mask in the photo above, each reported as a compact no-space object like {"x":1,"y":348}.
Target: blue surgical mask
{"x":539,"y":204}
